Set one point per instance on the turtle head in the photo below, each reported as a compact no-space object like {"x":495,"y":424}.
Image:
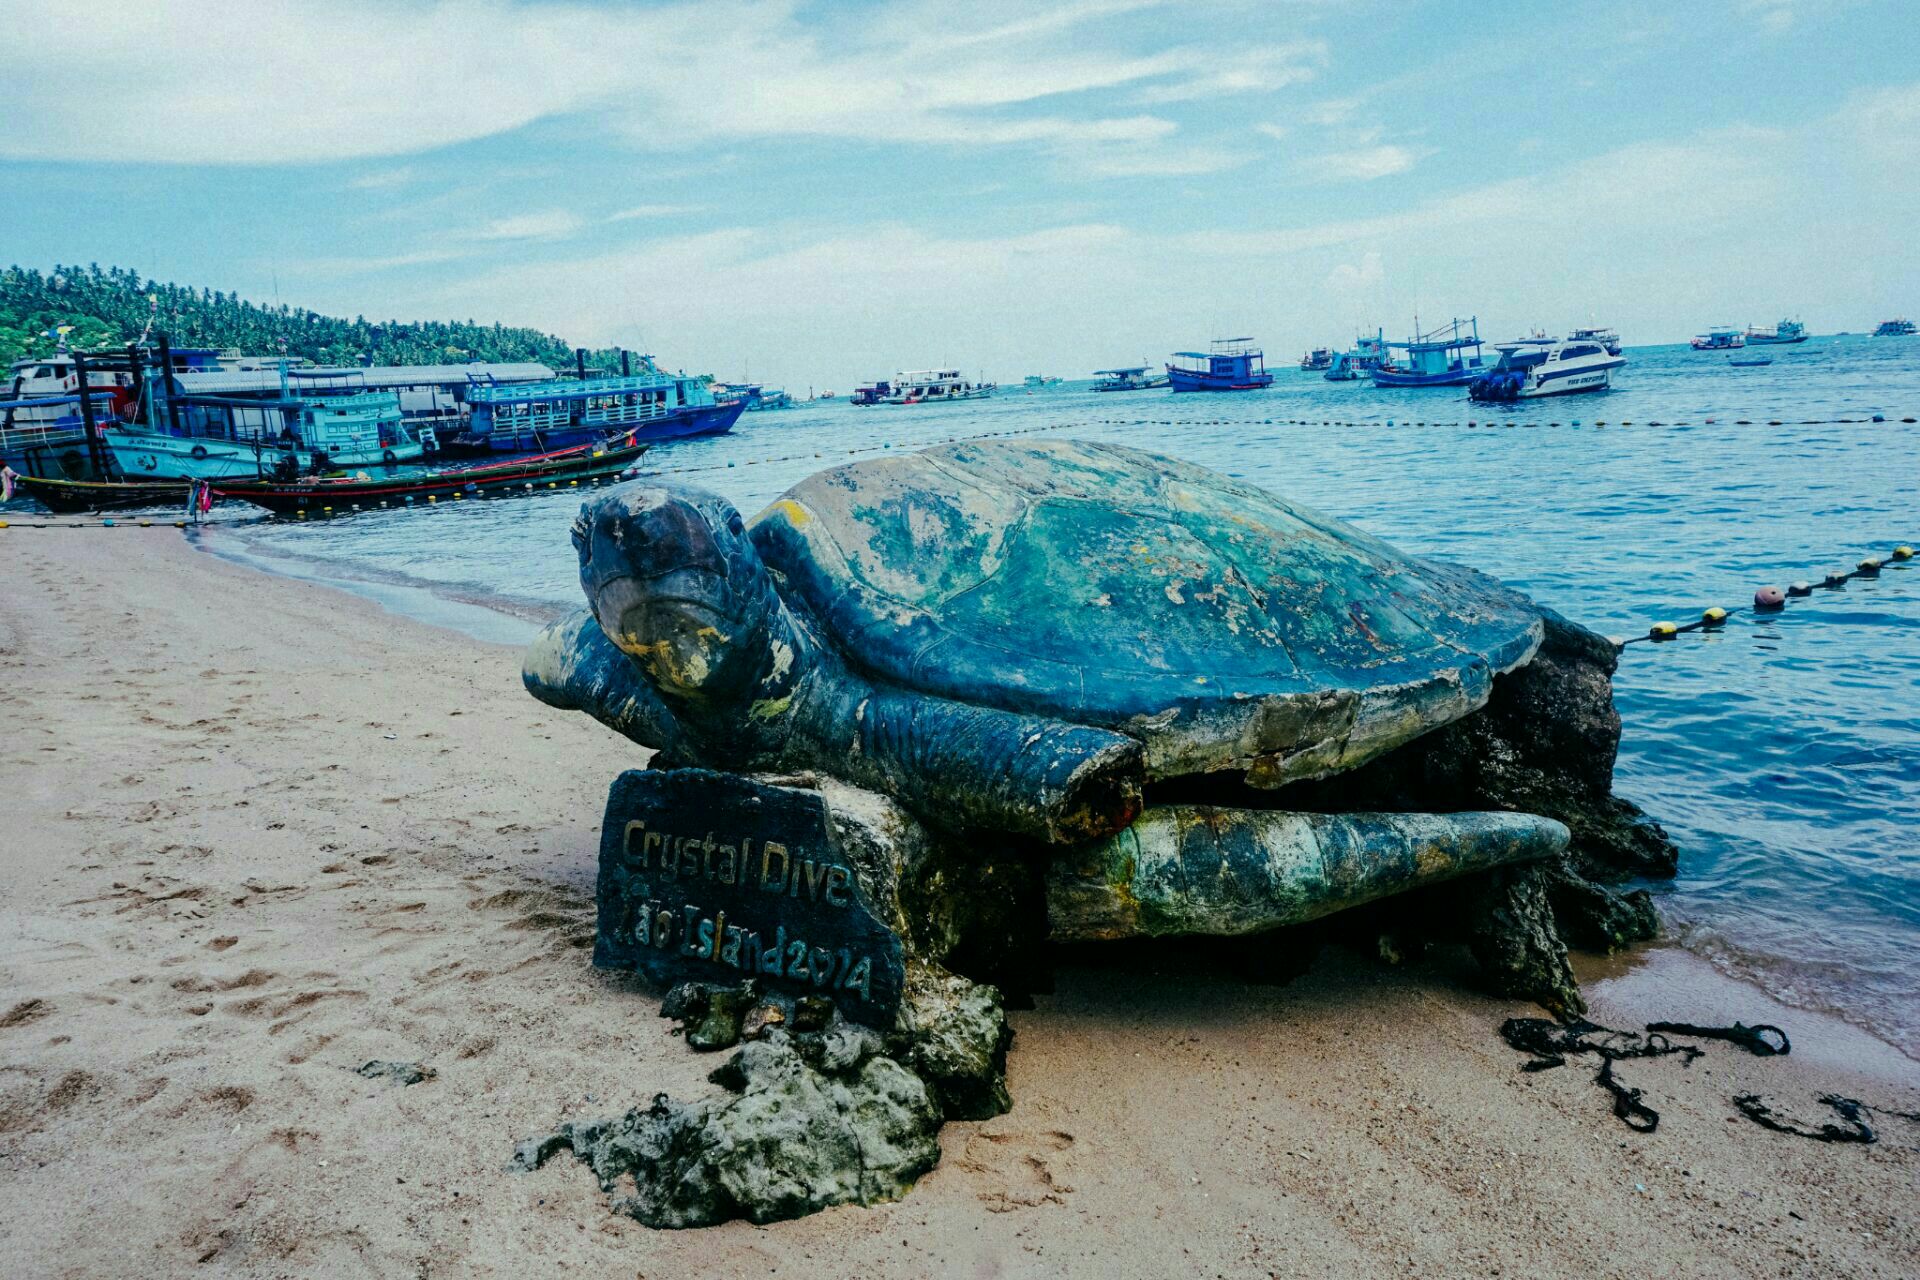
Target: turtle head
{"x":675,"y":582}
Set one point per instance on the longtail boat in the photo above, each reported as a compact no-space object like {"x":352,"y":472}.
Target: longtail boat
{"x":340,"y":495}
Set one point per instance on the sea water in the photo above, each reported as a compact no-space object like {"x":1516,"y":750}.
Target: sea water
{"x":1782,"y":753}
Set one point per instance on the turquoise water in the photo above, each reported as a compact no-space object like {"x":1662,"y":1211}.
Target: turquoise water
{"x":1783,"y":754}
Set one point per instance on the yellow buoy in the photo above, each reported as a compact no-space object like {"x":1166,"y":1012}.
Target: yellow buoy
{"x":1663,"y":631}
{"x":1714,"y":617}
{"x":431,"y":498}
{"x":1903,"y":552}
{"x":1868,"y":566}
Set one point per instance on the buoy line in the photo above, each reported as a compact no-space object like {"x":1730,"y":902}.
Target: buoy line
{"x":1770,"y":599}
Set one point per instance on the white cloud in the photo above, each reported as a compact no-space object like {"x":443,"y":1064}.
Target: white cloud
{"x":655,"y":211}
{"x":1349,"y":278}
{"x":1361,"y":164}
{"x":1774,"y":15}
{"x":1259,"y":70}
{"x":554,"y":224}
{"x":381,"y":179}
{"x":1274,"y":131}
{"x":279,"y":81}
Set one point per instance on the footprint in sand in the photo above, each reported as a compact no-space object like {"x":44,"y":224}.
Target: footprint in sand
{"x":1017,"y":1170}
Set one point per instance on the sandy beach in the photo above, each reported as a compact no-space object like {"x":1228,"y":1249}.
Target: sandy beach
{"x":258,"y":832}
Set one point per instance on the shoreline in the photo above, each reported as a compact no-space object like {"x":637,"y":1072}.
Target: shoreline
{"x":264,"y":828}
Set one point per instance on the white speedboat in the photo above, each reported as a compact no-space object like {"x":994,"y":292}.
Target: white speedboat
{"x":1529,"y":370}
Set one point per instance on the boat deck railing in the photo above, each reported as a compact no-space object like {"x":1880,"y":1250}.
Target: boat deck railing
{"x":527,"y":392}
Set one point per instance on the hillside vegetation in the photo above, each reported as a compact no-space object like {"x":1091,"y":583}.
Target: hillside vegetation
{"x":110,"y":307}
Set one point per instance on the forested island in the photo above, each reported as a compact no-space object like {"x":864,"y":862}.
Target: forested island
{"x":112,"y":306}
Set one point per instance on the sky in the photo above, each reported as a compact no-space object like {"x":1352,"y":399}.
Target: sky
{"x":819,"y":194}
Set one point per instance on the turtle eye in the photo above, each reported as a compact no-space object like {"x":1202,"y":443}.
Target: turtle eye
{"x":735,"y":525}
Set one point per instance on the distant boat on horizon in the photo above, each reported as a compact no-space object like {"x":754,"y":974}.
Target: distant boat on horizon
{"x":1722,"y":338}
{"x":1782,"y":334}
{"x":1894,"y":329}
{"x":1602,"y":334}
{"x":1134,"y":377}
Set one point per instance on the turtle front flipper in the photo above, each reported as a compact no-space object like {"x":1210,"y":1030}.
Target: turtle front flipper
{"x":1194,"y":869}
{"x":572,"y":665}
{"x":968,"y":767}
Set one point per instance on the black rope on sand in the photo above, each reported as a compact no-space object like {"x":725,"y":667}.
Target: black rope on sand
{"x":1552,"y":1043}
{"x":1753,"y":1039}
{"x":1852,"y":1110}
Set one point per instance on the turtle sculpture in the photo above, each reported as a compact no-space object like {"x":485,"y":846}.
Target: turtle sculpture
{"x":1031,"y":639}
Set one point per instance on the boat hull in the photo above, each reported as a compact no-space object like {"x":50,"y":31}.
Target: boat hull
{"x":150,"y":457}
{"x":1450,"y":378}
{"x":1769,"y":340}
{"x":702,"y":420}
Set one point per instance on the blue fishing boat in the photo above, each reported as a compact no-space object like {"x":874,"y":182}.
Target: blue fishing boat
{"x":1434,"y":359}
{"x":1234,"y":364}
{"x":1316,"y":359}
{"x":1724,"y":338}
{"x":1132,"y":378}
{"x":530,"y":417}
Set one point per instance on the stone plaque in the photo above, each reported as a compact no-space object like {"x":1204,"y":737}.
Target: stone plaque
{"x":712,"y":877}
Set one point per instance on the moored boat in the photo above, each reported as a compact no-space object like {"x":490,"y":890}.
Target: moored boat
{"x":339,"y":494}
{"x":1751,"y":362}
{"x":1345,"y":368}
{"x":1782,"y":334}
{"x":1437,"y":358}
{"x":1316,"y":359}
{"x":871,"y":392}
{"x":1719,"y":339}
{"x":1529,"y":370}
{"x":558,"y":414}
{"x":1132,"y":378}
{"x":1602,"y":334}
{"x":934,"y":386}
{"x":1039,"y":381}
{"x":366,"y":429}
{"x":1233,"y":364}
{"x":1894,"y":329}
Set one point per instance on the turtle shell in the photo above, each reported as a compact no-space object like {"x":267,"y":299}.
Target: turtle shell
{"x":1226,"y":628}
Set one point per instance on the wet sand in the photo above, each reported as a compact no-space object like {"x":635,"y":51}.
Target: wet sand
{"x":258,"y":831}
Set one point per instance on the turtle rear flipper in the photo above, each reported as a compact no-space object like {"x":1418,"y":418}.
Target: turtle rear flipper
{"x":1196,"y":869}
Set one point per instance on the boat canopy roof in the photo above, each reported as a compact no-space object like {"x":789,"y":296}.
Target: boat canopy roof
{"x":1133,"y":368}
{"x":234,"y":381}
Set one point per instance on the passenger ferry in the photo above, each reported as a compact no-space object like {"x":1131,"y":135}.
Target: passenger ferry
{"x":1233,"y":364}
{"x":934,"y":386}
{"x":1894,"y":329}
{"x":1435,"y":359}
{"x":366,"y":429}
{"x":1787,"y":331}
{"x":1606,"y":337}
{"x":539,"y":417}
{"x":1722,"y":339}
{"x":1530,"y":370}
{"x":1134,"y":377}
